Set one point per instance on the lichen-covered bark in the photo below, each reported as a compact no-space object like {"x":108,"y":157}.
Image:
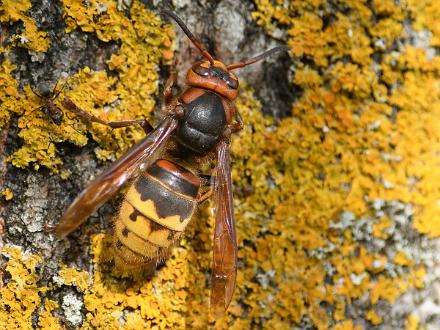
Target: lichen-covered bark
{"x":335,"y":180}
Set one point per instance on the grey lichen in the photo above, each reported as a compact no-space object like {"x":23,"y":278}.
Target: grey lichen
{"x":72,"y":306}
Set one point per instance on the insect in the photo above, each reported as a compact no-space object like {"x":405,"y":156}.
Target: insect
{"x":49,"y":107}
{"x":196,"y":128}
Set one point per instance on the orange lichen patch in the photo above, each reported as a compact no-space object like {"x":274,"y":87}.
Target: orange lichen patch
{"x":347,"y":325}
{"x":157,"y":303}
{"x":93,"y":91}
{"x":143,"y":40}
{"x":129,"y":94}
{"x":323,"y":199}
{"x":20,"y":297}
{"x":360,"y":153}
{"x":380,"y":229}
{"x":46,"y":319}
{"x":418,"y":277}
{"x":412,"y":323}
{"x":387,"y":288}
{"x":314,"y":193}
{"x":373,"y":317}
{"x":402,"y":259}
{"x":71,"y":276}
{"x":425,"y":14}
{"x":12,"y":11}
{"x":292,"y":259}
{"x":40,"y":133}
{"x":8,"y":91}
{"x":389,"y":27}
{"x":7,"y":194}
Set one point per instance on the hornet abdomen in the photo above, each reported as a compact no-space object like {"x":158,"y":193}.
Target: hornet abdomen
{"x":155,"y":212}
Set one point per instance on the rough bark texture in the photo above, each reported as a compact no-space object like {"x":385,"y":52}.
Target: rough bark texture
{"x":229,"y":31}
{"x":39,"y":197}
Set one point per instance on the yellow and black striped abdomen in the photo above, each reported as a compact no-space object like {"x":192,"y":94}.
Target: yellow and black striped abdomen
{"x":155,"y":212}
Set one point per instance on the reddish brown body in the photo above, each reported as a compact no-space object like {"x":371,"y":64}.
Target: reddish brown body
{"x":49,"y":108}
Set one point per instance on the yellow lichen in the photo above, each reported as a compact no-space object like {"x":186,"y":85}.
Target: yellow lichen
{"x":361,"y":129}
{"x":70,"y":276}
{"x":143,"y":39}
{"x":346,"y":325}
{"x":156,"y":303}
{"x":425,"y":14}
{"x":314,"y":192}
{"x":7,"y":194}
{"x":380,"y":228}
{"x":402,"y":259}
{"x":20,"y":297}
{"x":46,"y":319}
{"x":12,"y":11}
{"x":373,"y":317}
{"x":8,"y":91}
{"x":127,"y":95}
{"x":412,"y":323}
